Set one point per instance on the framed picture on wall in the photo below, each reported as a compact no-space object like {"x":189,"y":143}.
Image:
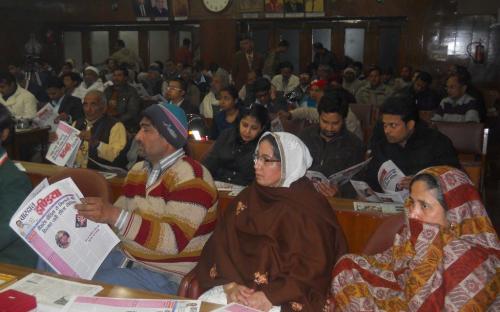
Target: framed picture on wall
{"x":180,"y":9}
{"x":273,"y":8}
{"x":294,"y":8}
{"x":159,"y":10}
{"x":251,"y":6}
{"x":314,"y":7}
{"x":142,"y":9}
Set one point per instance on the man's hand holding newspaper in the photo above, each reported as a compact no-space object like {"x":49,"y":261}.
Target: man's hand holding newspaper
{"x":98,"y":210}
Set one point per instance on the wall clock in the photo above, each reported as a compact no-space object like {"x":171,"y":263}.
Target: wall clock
{"x":216,"y":6}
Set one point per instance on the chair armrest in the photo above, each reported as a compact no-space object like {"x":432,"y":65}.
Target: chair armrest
{"x":185,"y":285}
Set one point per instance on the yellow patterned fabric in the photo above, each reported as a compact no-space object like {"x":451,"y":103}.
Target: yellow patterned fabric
{"x":429,"y":267}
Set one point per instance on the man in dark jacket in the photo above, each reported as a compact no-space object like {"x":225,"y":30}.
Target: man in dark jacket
{"x":411,"y":145}
{"x":123,"y":100}
{"x":332,"y":147}
{"x":68,"y":107}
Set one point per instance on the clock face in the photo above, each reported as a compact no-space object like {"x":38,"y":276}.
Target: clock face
{"x":216,"y":6}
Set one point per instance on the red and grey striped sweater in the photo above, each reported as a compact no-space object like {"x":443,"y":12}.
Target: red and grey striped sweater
{"x":171,"y":220}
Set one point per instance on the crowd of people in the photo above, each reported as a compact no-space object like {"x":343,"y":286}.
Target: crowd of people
{"x":276,"y":244}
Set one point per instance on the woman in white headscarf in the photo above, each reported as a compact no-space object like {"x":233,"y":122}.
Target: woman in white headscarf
{"x":278,"y":240}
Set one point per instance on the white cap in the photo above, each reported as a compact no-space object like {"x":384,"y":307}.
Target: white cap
{"x":92,"y":68}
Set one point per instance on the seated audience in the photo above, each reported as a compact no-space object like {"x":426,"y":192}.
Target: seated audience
{"x":229,"y":114}
{"x":176,"y":90}
{"x":153,"y":80}
{"x":285,"y":82}
{"x":209,"y":107}
{"x":247,"y":92}
{"x":230,"y":159}
{"x":68,"y":107}
{"x":264,"y":97}
{"x":20,"y":102}
{"x":333,"y":148}
{"x":14,"y":187}
{"x":192,"y":91}
{"x":409,"y":143}
{"x":123,"y":100}
{"x":446,"y":257}
{"x":349,"y":82}
{"x":244,"y":60}
{"x":405,"y":78}
{"x":304,"y":100}
{"x":278,"y":239}
{"x":458,"y":106}
{"x":91,"y":81}
{"x":167,"y":211}
{"x":71,"y":81}
{"x":104,"y":139}
{"x":273,"y":59}
{"x":374,"y":92}
{"x":426,"y":99}
{"x":387,"y":76}
{"x":317,"y":91}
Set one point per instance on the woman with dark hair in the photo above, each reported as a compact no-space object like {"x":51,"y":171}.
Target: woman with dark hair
{"x":277,"y":240}
{"x":230,"y":159}
{"x":446,"y":258}
{"x":14,"y":187}
{"x":229,"y":112}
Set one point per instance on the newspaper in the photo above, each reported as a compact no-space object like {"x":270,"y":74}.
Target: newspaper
{"x":104,"y":304}
{"x":338,"y":178}
{"x":236,"y":307}
{"x":379,"y":207}
{"x":52,"y":293}
{"x":71,"y":244}
{"x":389,"y":177}
{"x":233,"y":189}
{"x":63,"y":151}
{"x":46,"y":117}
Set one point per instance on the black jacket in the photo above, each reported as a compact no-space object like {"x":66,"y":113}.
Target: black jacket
{"x":426,"y":147}
{"x":338,"y":154}
{"x":72,"y":106}
{"x":230,"y":159}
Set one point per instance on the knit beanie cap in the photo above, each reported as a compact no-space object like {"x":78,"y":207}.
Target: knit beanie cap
{"x":170,"y":121}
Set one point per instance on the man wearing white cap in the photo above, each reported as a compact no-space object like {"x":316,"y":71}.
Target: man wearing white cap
{"x":91,"y":81}
{"x":349,"y":81}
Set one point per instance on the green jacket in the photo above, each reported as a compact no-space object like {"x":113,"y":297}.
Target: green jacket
{"x":14,"y":187}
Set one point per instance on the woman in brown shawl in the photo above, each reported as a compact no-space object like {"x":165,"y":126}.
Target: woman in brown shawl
{"x":278,"y":239}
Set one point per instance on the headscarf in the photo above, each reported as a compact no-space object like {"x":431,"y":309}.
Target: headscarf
{"x":429,"y":267}
{"x":282,"y":241}
{"x":294,"y":155}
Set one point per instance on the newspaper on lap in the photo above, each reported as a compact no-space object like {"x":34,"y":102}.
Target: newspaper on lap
{"x":71,"y":244}
{"x":63,"y":151}
{"x":389,"y":177}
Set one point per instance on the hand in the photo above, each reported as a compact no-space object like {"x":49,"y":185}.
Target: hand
{"x":98,"y":210}
{"x":237,"y":293}
{"x":52,"y":137}
{"x":404,"y":183}
{"x":62,"y":116}
{"x":259,"y":301}
{"x":85,"y":135}
{"x":326,"y":189}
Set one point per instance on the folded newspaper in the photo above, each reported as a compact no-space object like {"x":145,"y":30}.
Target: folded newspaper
{"x":338,"y":178}
{"x":63,"y":151}
{"x":46,"y":117}
{"x":389,"y":177}
{"x":71,"y":244}
{"x":379,"y":207}
{"x":105,"y":304}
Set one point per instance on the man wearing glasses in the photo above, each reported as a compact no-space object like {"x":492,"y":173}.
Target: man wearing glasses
{"x":410,"y":144}
{"x":176,"y":90}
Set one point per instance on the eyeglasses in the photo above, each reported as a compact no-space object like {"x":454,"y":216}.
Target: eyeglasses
{"x":174,"y":88}
{"x":265,"y":160}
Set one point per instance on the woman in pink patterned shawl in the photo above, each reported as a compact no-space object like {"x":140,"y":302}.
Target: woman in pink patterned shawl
{"x":445,"y":259}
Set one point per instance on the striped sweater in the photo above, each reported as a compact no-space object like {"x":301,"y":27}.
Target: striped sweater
{"x":169,"y":222}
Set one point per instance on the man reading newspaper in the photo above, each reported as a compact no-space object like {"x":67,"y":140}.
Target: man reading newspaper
{"x":332,"y":147}
{"x":167,"y":211}
{"x":410,"y":144}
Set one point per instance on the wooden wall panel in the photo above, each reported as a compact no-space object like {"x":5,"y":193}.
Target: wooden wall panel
{"x":218,"y":41}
